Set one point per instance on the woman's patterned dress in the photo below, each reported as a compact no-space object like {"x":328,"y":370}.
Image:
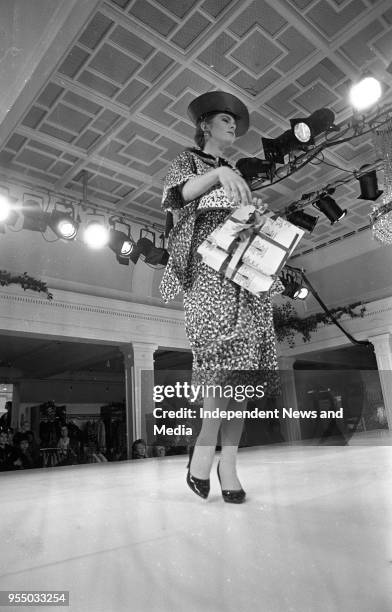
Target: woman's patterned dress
{"x":230,"y":330}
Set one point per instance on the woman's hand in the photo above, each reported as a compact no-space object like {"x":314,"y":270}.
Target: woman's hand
{"x":259,"y":204}
{"x":235,"y":186}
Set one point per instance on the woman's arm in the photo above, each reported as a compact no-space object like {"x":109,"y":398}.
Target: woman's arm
{"x":234,"y":185}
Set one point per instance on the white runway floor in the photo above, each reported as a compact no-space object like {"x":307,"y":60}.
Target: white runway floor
{"x":314,"y":536}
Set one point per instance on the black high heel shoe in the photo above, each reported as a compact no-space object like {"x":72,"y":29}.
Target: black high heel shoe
{"x":232,"y":496}
{"x":200,"y":486}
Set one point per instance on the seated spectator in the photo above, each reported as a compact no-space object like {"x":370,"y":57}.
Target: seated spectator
{"x":67,"y":453}
{"x":7,"y":453}
{"x":10,"y":434}
{"x":139,"y":449}
{"x":22,"y":433}
{"x":34,"y":449}
{"x":24,"y":459}
{"x":159,"y":450}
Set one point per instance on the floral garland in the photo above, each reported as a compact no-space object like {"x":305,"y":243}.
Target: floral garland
{"x":25,"y":281}
{"x":287,"y":322}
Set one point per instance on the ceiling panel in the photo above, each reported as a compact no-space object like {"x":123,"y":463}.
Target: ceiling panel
{"x":115,"y":104}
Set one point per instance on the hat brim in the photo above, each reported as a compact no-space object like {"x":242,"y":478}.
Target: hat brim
{"x":220,"y":102}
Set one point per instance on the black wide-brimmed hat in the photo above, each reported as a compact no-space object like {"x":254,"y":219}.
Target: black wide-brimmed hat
{"x":220,"y":102}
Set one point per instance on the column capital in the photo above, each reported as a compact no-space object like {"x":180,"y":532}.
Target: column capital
{"x":286,"y":363}
{"x":382,"y":341}
{"x":144,"y":346}
{"x":143,"y":353}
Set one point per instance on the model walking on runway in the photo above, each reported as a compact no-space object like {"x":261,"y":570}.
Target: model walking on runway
{"x":230,"y":330}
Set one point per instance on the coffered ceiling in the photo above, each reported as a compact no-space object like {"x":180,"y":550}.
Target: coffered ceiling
{"x":115,"y":102}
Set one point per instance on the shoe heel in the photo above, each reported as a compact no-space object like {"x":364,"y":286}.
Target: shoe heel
{"x":231,"y":496}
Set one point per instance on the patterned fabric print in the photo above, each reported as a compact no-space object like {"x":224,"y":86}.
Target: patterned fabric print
{"x":230,"y":330}
{"x":186,"y":165}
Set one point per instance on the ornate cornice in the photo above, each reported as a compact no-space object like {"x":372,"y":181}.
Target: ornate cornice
{"x":90,"y":308}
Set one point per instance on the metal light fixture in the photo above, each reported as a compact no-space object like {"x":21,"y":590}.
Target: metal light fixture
{"x":146,"y":248}
{"x":34,"y":217}
{"x":294,"y":287}
{"x":63,"y":223}
{"x":256,"y":171}
{"x":8,"y":214}
{"x":369,"y":185}
{"x":330,"y":208}
{"x":5,"y":208}
{"x":302,"y":219}
{"x":158,"y":256}
{"x":121,"y":243}
{"x":96,"y":235}
{"x":305,"y":130}
{"x":301,"y":135}
{"x":275,"y":149}
{"x":365,"y":93}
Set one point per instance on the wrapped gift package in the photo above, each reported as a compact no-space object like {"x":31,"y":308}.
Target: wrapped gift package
{"x":251,"y":249}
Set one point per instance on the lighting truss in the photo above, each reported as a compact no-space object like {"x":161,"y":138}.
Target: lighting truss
{"x":358,"y":126}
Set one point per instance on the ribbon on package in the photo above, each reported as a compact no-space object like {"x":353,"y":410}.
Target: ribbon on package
{"x":251,"y":248}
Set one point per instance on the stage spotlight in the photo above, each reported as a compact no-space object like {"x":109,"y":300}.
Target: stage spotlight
{"x":34,"y":218}
{"x":143,"y":247}
{"x":5,"y":208}
{"x":151,"y":254}
{"x":122,"y":245}
{"x":157,"y":256}
{"x":302,"y":219}
{"x":301,"y":135}
{"x":306,"y":130}
{"x":255,"y":171}
{"x":96,"y":235}
{"x":301,"y":294}
{"x":293,"y":285}
{"x":330,"y":208}
{"x":8,"y":215}
{"x":365,"y":93}
{"x":275,"y":149}
{"x":63,"y":224}
{"x":369,"y":185}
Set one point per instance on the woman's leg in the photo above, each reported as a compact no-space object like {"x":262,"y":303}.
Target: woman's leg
{"x":204,"y":450}
{"x":230,"y":438}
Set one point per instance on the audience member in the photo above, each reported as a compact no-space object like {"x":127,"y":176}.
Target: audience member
{"x":24,"y":459}
{"x":67,"y":454}
{"x":7,"y":453}
{"x":34,"y":448}
{"x":139,"y":449}
{"x":10,"y":434}
{"x":159,"y":450}
{"x":22,"y":433}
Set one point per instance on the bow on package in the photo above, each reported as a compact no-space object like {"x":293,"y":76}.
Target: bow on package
{"x":247,"y":229}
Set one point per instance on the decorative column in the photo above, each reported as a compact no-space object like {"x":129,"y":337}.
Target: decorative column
{"x":129,"y":403}
{"x":383,"y":349}
{"x":292,"y":427}
{"x":143,"y":383}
